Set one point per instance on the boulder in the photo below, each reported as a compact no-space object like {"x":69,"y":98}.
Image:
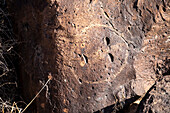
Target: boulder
{"x":99,"y":52}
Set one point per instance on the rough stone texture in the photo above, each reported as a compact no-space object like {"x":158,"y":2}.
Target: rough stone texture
{"x":155,"y":50}
{"x":158,"y":99}
{"x":99,"y":52}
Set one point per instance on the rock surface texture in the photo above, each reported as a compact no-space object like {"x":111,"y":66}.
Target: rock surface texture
{"x":158,"y":99}
{"x":99,"y":52}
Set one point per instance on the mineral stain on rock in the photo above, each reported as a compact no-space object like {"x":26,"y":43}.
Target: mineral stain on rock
{"x":99,"y":52}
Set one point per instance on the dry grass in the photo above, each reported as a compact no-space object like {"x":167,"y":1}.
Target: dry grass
{"x":49,"y":78}
{"x":8,"y":82}
{"x":7,"y":107}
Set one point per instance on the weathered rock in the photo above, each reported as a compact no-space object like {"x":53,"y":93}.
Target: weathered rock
{"x":97,"y":51}
{"x":158,"y":99}
{"x":154,"y":50}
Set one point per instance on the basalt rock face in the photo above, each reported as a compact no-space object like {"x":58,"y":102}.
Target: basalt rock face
{"x":99,"y":52}
{"x":158,"y":99}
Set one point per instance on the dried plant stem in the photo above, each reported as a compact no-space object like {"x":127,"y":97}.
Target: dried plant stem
{"x":49,"y":78}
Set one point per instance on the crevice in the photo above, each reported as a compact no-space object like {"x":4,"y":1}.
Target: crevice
{"x":106,"y":14}
{"x":85,"y":58}
{"x":107,"y":41}
{"x":116,"y":31}
{"x":80,"y":81}
{"x":111,"y":57}
{"x":164,"y":9}
{"x":157,"y":6}
{"x":119,"y":107}
{"x":135,"y":5}
{"x":162,"y":17}
{"x":149,"y":11}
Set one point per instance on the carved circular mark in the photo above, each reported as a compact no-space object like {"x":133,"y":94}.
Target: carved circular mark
{"x":82,"y":63}
{"x":113,"y":75}
{"x":117,"y":47}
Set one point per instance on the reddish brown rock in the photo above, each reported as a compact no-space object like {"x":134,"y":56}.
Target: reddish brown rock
{"x":157,"y":100}
{"x":97,"y":51}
